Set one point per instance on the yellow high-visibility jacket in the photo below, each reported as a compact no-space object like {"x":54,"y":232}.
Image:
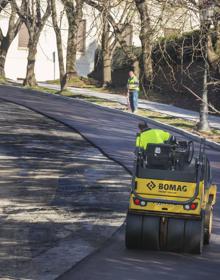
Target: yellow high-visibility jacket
{"x":151,"y":136}
{"x":133,"y":84}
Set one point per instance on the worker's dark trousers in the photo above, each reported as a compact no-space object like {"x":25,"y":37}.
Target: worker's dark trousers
{"x":133,"y":99}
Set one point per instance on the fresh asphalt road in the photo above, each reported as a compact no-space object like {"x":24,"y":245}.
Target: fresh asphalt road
{"x":114,"y":132}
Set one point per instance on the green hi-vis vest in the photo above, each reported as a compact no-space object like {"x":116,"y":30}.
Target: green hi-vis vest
{"x":133,"y":84}
{"x":152,"y":136}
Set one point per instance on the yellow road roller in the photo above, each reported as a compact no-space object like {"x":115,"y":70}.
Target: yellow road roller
{"x":171,"y":200}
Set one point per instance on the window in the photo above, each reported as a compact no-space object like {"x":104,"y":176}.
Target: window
{"x":81,"y":36}
{"x":23,"y":37}
{"x":171,"y":32}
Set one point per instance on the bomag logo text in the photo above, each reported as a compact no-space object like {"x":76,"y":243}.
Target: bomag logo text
{"x":172,"y":187}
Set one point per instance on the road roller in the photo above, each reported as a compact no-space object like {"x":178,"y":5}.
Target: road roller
{"x":171,"y":200}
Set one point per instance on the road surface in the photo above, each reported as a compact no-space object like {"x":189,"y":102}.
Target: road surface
{"x":57,"y":194}
{"x":113,"y":132}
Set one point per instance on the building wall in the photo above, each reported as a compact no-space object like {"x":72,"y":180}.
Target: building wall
{"x":17,"y":57}
{"x":16,"y":60}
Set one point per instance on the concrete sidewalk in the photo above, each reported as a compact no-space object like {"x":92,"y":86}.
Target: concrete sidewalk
{"x":143,"y":104}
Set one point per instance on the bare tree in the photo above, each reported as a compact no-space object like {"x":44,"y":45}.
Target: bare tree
{"x":106,"y":53}
{"x":74,"y":13}
{"x":14,"y":25}
{"x":59,"y":40}
{"x":147,"y":34}
{"x":117,"y":32}
{"x":208,"y":48}
{"x":3,"y":4}
{"x":146,"y":37}
{"x":109,"y":41}
{"x":198,"y":8}
{"x":214,"y":47}
{"x":34,"y":16}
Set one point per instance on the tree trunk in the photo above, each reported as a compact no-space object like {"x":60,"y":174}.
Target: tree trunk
{"x":120,"y":38}
{"x":59,"y":42}
{"x":107,"y":69}
{"x":2,"y":64}
{"x":146,"y":40}
{"x":5,"y":41}
{"x":106,"y":53}
{"x":3,"y":4}
{"x":136,"y":68}
{"x":213,"y":56}
{"x":30,"y":13}
{"x":3,"y":53}
{"x":30,"y":79}
{"x":218,"y":38}
{"x":71,"y":51}
{"x":147,"y":60}
{"x":218,"y":46}
{"x":74,"y":16}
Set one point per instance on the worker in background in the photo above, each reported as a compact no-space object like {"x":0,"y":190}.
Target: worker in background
{"x":149,"y":135}
{"x":133,"y":90}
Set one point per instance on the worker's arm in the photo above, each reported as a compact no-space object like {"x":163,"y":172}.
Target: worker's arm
{"x":166,"y":136}
{"x":127,"y":93}
{"x":138,"y":140}
{"x":139,"y":148}
{"x":128,"y":83}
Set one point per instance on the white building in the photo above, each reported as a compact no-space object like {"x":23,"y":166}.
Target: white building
{"x":46,"y":68}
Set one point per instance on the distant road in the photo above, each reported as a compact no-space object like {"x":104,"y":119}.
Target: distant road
{"x":167,"y":109}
